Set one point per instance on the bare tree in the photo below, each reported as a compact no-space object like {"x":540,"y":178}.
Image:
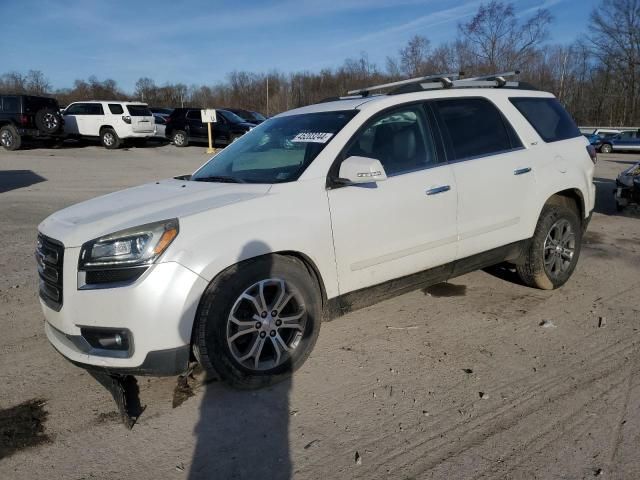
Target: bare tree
{"x":413,"y":57}
{"x":36,"y":83}
{"x":498,"y":40}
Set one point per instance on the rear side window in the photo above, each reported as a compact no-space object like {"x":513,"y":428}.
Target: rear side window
{"x":10,"y":105}
{"x":474,"y":127}
{"x":139,"y":111}
{"x":116,"y":108}
{"x":194,"y":115}
{"x":547,"y":117}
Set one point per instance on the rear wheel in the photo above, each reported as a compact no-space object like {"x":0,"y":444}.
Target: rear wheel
{"x":109,"y":139}
{"x":10,"y":138}
{"x":606,"y":148}
{"x":554,"y":250}
{"x":180,"y":139}
{"x":258,"y":321}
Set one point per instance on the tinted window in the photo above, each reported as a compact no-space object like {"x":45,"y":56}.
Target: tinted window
{"x":547,"y":117}
{"x":194,"y":115}
{"x":139,"y":111}
{"x":10,"y":104}
{"x":278,"y":150}
{"x":230,"y":117}
{"x":76,"y":109}
{"x":116,"y":108}
{"x":474,"y":127}
{"x":399,"y":139}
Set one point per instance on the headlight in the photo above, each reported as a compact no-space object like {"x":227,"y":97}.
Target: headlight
{"x":132,"y":247}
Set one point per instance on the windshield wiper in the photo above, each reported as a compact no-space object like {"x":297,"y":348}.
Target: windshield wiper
{"x":218,"y":178}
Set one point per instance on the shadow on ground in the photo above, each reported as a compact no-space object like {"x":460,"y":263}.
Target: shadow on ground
{"x":15,"y":179}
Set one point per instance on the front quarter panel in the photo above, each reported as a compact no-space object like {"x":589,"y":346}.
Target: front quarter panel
{"x":292,"y":217}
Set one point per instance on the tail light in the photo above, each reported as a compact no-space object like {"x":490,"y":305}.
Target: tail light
{"x":24,"y":120}
{"x":126,"y":118}
{"x":592,"y":153}
{"x":167,"y":120}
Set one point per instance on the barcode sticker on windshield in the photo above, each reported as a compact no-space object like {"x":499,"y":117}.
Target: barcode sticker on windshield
{"x":315,"y":137}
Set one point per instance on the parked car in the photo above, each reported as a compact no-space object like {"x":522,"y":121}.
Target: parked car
{"x":27,"y":117}
{"x":248,"y":115}
{"x":315,"y":212}
{"x":627,"y":190}
{"x":185,"y":126}
{"x":112,"y":121}
{"x":623,"y":141}
{"x":161,"y":124}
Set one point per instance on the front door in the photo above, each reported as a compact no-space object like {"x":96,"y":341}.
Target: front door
{"x":404,"y":224}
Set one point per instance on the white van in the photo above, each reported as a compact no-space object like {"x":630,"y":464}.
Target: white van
{"x":112,"y":121}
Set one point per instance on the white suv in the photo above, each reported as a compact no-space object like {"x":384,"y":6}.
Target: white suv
{"x":112,"y":121}
{"x":313,"y":213}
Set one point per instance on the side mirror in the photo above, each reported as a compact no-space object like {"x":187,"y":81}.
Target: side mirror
{"x":361,"y":170}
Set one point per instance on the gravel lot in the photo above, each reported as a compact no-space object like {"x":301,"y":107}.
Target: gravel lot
{"x":460,"y":380}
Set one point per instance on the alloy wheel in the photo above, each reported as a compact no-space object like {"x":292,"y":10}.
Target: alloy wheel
{"x":6,"y":138}
{"x":266,"y":323}
{"x":108,"y":139}
{"x":559,"y":248}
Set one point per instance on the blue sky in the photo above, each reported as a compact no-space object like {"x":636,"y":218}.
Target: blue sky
{"x":200,"y":41}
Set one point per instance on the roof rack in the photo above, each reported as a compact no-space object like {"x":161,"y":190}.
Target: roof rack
{"x":448,"y":80}
{"x":443,"y":78}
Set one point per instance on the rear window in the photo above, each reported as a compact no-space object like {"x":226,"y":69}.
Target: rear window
{"x":547,"y":117}
{"x":139,"y":111}
{"x":474,"y":127}
{"x":10,"y":104}
{"x":116,"y":108}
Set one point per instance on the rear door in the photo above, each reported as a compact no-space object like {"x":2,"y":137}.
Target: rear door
{"x":197,"y":129}
{"x":627,"y":141}
{"x":141,"y":119}
{"x":402,"y":225}
{"x":493,"y":172}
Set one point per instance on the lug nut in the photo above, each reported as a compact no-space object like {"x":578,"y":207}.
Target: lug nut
{"x":258,"y":325}
{"x":278,"y":322}
{"x":272,"y":333}
{"x":274,"y":313}
{"x":263,"y":334}
{"x":263,"y":314}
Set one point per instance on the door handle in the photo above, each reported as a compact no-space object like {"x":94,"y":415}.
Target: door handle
{"x":521,"y":171}
{"x":436,"y":190}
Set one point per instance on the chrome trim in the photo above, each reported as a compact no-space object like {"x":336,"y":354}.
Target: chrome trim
{"x":436,"y":190}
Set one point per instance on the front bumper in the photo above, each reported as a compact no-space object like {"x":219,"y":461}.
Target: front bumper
{"x":157,"y":310}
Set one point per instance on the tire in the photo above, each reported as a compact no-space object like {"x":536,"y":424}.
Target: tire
{"x":606,"y":148}
{"x":619,"y":207}
{"x":214,"y":331}
{"x":536,"y":271}
{"x":180,"y":138}
{"x":10,"y":138}
{"x":109,"y":139}
{"x":48,"y":121}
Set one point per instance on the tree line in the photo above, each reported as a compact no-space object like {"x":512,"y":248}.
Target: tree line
{"x":597,"y":77}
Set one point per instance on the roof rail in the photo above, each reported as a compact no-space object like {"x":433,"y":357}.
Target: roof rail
{"x":443,"y":78}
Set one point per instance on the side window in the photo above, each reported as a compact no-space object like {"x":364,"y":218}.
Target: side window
{"x":10,"y":105}
{"x":399,"y":139}
{"x":116,"y":109}
{"x":474,"y":127}
{"x":76,"y":109}
{"x":547,"y":117}
{"x":94,"y":109}
{"x":194,"y":115}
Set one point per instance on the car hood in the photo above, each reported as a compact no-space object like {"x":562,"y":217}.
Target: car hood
{"x":148,"y":203}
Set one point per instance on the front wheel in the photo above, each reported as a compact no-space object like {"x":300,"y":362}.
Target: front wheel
{"x":258,"y":321}
{"x":554,"y":250}
{"x":606,"y":148}
{"x":180,"y":138}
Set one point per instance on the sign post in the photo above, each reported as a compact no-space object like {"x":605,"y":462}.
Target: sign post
{"x":209,"y":116}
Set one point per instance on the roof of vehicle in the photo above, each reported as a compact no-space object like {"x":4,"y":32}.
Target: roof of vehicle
{"x":383,"y":101}
{"x":112,"y":101}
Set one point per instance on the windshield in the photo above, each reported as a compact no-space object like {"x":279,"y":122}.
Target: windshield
{"x":258,"y":116}
{"x":230,"y":116}
{"x":276,"y":151}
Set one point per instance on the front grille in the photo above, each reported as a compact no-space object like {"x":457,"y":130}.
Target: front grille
{"x":49,"y":258}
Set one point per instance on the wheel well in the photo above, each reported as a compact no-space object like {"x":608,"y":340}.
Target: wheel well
{"x":571,"y":198}
{"x":311,"y":267}
{"x":103,"y":127}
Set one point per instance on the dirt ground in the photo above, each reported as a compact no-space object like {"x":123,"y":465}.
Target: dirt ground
{"x":479,"y":378}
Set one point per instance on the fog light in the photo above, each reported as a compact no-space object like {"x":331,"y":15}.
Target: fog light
{"x":107,"y":338}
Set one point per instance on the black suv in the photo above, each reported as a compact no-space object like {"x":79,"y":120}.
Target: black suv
{"x":24,"y":116}
{"x":248,"y":115}
{"x":184,"y":125}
